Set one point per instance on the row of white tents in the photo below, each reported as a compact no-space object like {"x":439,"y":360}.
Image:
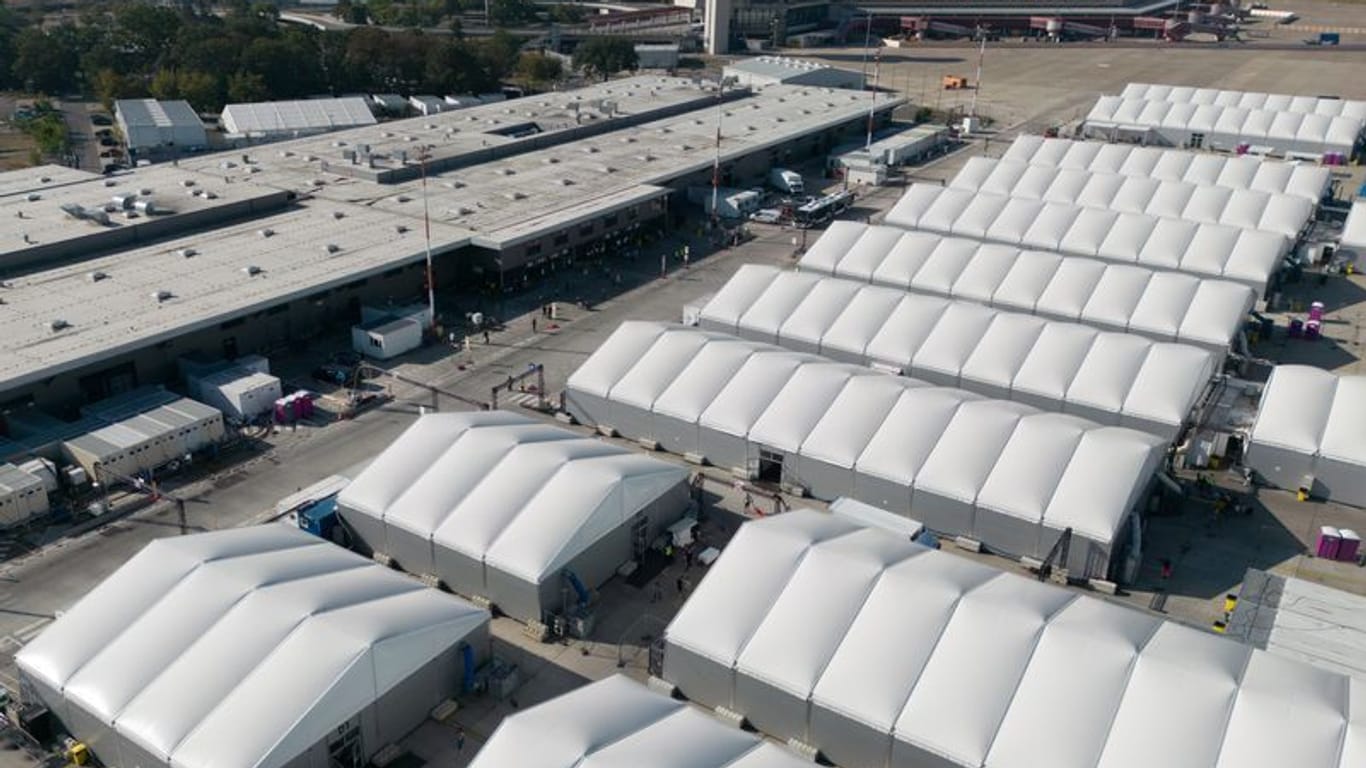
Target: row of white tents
{"x":1000,"y":472}
{"x":1201,"y":203}
{"x":1165,"y":306}
{"x":1310,"y":433}
{"x":883,"y":654}
{"x":1105,"y":376}
{"x":1206,"y":169}
{"x":1247,"y":256}
{"x":504,"y":507}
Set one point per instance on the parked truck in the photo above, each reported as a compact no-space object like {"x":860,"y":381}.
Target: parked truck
{"x":787,"y":182}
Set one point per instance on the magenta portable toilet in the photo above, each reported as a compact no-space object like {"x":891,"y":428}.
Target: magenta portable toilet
{"x":1348,"y":545}
{"x":1330,"y":539}
{"x":1316,"y":311}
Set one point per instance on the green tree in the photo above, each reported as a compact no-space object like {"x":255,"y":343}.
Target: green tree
{"x":245,"y":87}
{"x":511,"y":13}
{"x":538,"y":69}
{"x":566,"y":13}
{"x":46,"y":62}
{"x":109,"y":86}
{"x":352,"y":13}
{"x":10,"y":25}
{"x":605,"y":56}
{"x":145,"y":32}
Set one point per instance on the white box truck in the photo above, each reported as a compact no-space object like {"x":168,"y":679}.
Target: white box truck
{"x":788,"y":182}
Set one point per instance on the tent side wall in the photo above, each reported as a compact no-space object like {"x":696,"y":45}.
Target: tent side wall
{"x":698,"y":677}
{"x":369,"y":530}
{"x":462,"y":574}
{"x":823,"y":479}
{"x":411,"y":551}
{"x":1282,"y":467}
{"x":525,"y":601}
{"x":770,"y":709}
{"x":1341,"y":481}
{"x":847,"y":741}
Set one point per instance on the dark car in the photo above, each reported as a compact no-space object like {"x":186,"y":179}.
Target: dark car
{"x":98,"y":119}
{"x":114,"y":168}
{"x":332,"y":373}
{"x":346,"y":358}
{"x":108,"y":141}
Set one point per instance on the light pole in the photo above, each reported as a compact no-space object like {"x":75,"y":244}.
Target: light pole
{"x":716,"y":163}
{"x":427,"y":234}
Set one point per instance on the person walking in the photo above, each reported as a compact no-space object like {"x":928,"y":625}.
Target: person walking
{"x":533,"y":325}
{"x":486,"y":337}
{"x":459,"y":739}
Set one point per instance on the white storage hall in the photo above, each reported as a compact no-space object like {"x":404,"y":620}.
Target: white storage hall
{"x":260,"y":646}
{"x":1000,"y":472}
{"x":1283,"y":214}
{"x":881,"y":653}
{"x":501,"y":506}
{"x":23,"y":496}
{"x":1310,"y":433}
{"x":1247,"y":256}
{"x":1235,"y":172}
{"x":1165,"y":306}
{"x":619,"y":722}
{"x":1233,"y":121}
{"x":1105,"y":376}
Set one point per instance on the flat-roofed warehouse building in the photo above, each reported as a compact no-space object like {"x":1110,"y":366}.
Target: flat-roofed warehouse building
{"x":1277,"y":212}
{"x":290,"y":119}
{"x":881,"y":653}
{"x":1000,"y":472}
{"x":503,"y":507}
{"x":1235,"y":172}
{"x":619,"y":722}
{"x":1206,"y":118}
{"x":1164,"y":306}
{"x":261,"y":646}
{"x":1108,"y":377}
{"x":1310,"y":432}
{"x":1247,"y":256}
{"x":27,"y":181}
{"x":149,"y":124}
{"x":247,"y":286}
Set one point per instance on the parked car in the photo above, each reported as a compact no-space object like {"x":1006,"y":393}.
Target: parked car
{"x":108,"y":141}
{"x":767,"y":216}
{"x":332,"y":373}
{"x":98,"y":119}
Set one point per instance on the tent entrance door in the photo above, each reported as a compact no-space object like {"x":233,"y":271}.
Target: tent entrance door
{"x":770,"y":466}
{"x":640,"y":542}
{"x":344,"y":746}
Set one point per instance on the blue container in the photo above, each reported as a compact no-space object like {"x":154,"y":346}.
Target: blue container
{"x":319,"y":517}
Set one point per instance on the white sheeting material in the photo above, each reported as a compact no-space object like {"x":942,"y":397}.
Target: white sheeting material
{"x":1145,"y":384}
{"x":241,"y":647}
{"x":1319,"y":418}
{"x":1160,"y":241}
{"x":521,"y":496}
{"x":1191,"y":201}
{"x":618,"y":722}
{"x":960,"y":664}
{"x":1154,"y":164}
{"x":923,"y":439}
{"x":1166,"y":306}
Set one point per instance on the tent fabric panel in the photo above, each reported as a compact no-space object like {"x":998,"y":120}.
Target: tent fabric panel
{"x":1109,"y":471}
{"x":737,"y":296}
{"x":824,"y":255}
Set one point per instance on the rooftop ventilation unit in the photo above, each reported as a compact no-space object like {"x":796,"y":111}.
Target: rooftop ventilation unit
{"x":400,"y":228}
{"x":551,"y":160}
{"x":58,"y":325}
{"x":267,"y":232}
{"x":332,"y":247}
{"x":34,"y":197}
{"x":97,"y":215}
{"x":186,"y":253}
{"x":310,"y":158}
{"x":464,"y":210}
{"x":123,"y":201}
{"x":187,"y":182}
{"x":607,"y":169}
{"x":590,"y":150}
{"x":146,"y":207}
{"x":402,"y":198}
{"x":505,"y":172}
{"x":252,"y":270}
{"x":339,"y":143}
{"x":73,"y":210}
{"x":112,"y":183}
{"x":44,"y":179}
{"x":160,"y":296}
{"x":210,"y":195}
{"x":515,"y":195}
{"x":628,"y":139}
{"x":566,"y":182}
{"x":338,"y":214}
{"x":97,"y":276}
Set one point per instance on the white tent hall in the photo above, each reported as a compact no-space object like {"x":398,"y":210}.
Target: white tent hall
{"x":1247,"y":256}
{"x":261,"y":646}
{"x":884,"y":654}
{"x":1105,"y":376}
{"x":1311,"y":430}
{"x":619,"y":723}
{"x":505,"y":507}
{"x":1235,"y":172}
{"x":1206,"y":118}
{"x":1001,"y":472}
{"x":1283,"y":214}
{"x":1165,"y":306}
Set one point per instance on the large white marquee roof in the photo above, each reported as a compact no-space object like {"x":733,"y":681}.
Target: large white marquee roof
{"x":1166,"y":306}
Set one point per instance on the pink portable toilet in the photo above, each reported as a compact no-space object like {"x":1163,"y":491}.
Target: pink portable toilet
{"x":1330,"y":540}
{"x":1348,"y":546}
{"x":1312,"y":330}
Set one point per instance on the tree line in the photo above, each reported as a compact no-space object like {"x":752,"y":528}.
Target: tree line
{"x":135,"y":48}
